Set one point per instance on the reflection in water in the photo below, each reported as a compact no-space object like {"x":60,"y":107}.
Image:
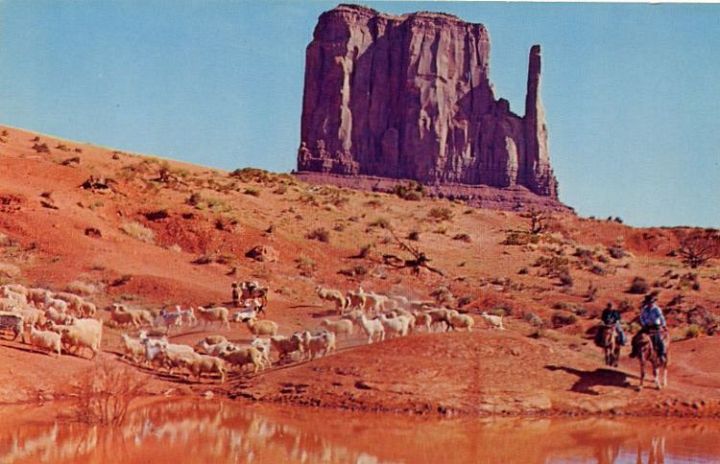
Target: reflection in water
{"x":205,"y":431}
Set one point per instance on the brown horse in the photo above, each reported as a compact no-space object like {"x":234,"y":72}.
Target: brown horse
{"x":649,"y":354}
{"x":610,"y":344}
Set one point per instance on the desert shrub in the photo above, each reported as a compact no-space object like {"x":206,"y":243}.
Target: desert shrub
{"x":616,"y":252}
{"x":693,"y":331}
{"x":104,"y":393}
{"x":252,"y":175}
{"x":280,"y":189}
{"x":562,"y":318}
{"x":365,"y":251}
{"x":321,"y":234}
{"x":307,"y":266}
{"x":591,"y":292}
{"x":554,"y":266}
{"x":414,"y":235}
{"x":566,"y":279}
{"x":533,"y":319}
{"x":597,"y":270}
{"x":639,"y":286}
{"x":355,"y":271}
{"x":439,"y":214}
{"x":252,"y":192}
{"x":463,"y":301}
{"x":699,"y":246}
{"x":381,"y":222}
{"x":523,"y":270}
{"x":373,"y":203}
{"x":463,"y":237}
{"x":41,"y":148}
{"x":519,"y":237}
{"x":138,"y":231}
{"x":413,"y":191}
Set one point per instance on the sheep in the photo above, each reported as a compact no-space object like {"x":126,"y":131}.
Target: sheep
{"x":264,"y":327}
{"x":335,"y":296}
{"x":83,"y":333}
{"x":16,"y":288}
{"x":46,"y":339}
{"x":286,"y":345}
{"x":37,"y":296}
{"x":8,"y":304}
{"x":50,"y":302}
{"x":215,"y":339}
{"x":199,"y":364}
{"x":355,"y":300}
{"x":73,"y":301}
{"x":373,"y":328}
{"x":317,"y":344}
{"x":422,"y":319}
{"x":133,"y":348}
{"x":253,"y":290}
{"x":88,"y":309}
{"x":263,"y":346}
{"x":122,"y":316}
{"x":242,"y":316}
{"x":396,"y":326}
{"x":31,"y":316}
{"x":10,"y":293}
{"x":52,"y":314}
{"x":167,"y":319}
{"x":244,"y":355}
{"x":373,"y":301}
{"x":168,"y":355}
{"x":214,"y":349}
{"x":343,"y":326}
{"x":495,"y":322}
{"x":458,"y":321}
{"x":439,"y":316}
{"x":216,"y":314}
{"x":12,"y":321}
{"x":187,"y":316}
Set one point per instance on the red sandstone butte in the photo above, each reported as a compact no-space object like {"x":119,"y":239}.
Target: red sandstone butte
{"x":409,"y":97}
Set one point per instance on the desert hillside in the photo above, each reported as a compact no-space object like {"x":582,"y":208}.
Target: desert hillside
{"x":152,"y":233}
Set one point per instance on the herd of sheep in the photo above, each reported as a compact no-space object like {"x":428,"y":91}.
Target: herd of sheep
{"x":57,"y":321}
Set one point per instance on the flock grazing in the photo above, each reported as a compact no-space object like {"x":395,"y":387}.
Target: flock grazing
{"x":62,"y":322}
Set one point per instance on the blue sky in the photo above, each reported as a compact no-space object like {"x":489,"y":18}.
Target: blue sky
{"x":631,"y":91}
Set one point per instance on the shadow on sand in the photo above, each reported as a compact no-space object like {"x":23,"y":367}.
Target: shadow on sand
{"x":587,"y":380}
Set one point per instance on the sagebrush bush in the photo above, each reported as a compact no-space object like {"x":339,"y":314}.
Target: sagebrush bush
{"x":321,"y":234}
{"x":639,"y":286}
{"x":439,"y":214}
{"x":138,"y":231}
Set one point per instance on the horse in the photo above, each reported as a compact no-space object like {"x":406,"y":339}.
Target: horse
{"x":647,"y":353}
{"x":610,"y":344}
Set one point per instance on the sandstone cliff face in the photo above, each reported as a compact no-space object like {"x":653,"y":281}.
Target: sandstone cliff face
{"x":409,"y":97}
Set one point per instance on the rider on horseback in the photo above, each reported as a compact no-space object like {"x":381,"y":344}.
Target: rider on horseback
{"x":611,"y":317}
{"x":653,"y":323}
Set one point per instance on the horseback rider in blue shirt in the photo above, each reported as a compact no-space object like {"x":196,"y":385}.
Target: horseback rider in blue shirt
{"x":652,"y":322}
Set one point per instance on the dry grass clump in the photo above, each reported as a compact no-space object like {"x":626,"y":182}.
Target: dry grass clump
{"x":105,"y":392}
{"x":440,"y":214}
{"x":321,"y":234}
{"x":306,"y":265}
{"x":639,"y":286}
{"x":138,"y":231}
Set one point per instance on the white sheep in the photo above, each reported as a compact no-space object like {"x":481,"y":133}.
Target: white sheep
{"x":83,"y":333}
{"x":397,"y":326}
{"x":199,"y":364}
{"x":211,"y":315}
{"x":263,"y":327}
{"x":373,"y":328}
{"x":335,"y":296}
{"x":263,"y":346}
{"x":422,"y":319}
{"x":355,"y":300}
{"x":285,"y":346}
{"x":439,"y":316}
{"x":133,"y":348}
{"x":495,"y":322}
{"x":245,"y":355}
{"x":187,"y":316}
{"x":46,"y":339}
{"x":341,"y":327}
{"x":460,"y":321}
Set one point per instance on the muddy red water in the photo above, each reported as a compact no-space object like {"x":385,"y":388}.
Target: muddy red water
{"x":220,"y":431}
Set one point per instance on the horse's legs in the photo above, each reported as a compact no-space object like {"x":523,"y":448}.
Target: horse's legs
{"x":642,"y":371}
{"x":656,"y":376}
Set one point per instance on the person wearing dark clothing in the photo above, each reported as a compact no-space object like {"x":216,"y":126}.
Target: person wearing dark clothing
{"x":611,"y":317}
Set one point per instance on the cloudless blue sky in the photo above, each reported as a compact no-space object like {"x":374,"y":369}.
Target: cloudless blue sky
{"x":631,"y":91}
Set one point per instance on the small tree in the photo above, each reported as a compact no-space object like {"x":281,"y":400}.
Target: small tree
{"x":538,"y":220}
{"x":697,"y":247}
